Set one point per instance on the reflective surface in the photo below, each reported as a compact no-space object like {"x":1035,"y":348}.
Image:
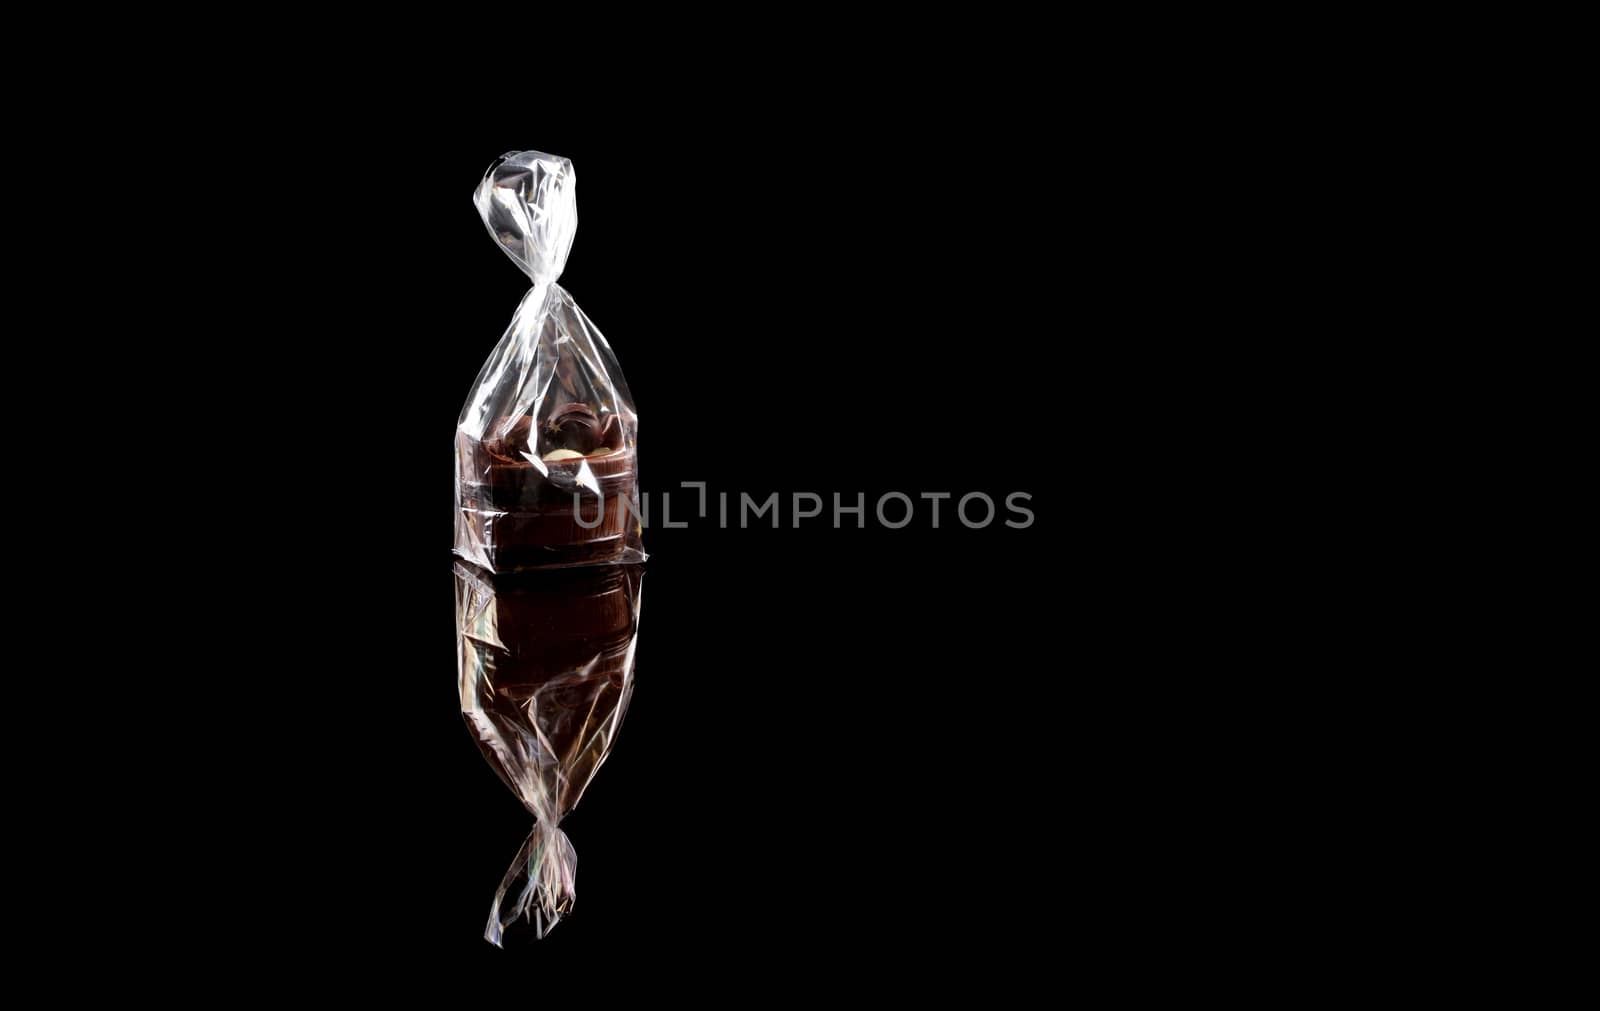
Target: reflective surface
{"x":546,"y":671}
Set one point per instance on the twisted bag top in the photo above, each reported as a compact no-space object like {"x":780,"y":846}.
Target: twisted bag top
{"x":527,"y":200}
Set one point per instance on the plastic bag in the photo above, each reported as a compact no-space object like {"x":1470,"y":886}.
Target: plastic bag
{"x":546,"y":672}
{"x":546,"y":454}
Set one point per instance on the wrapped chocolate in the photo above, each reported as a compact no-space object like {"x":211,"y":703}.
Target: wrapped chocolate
{"x":546,"y":671}
{"x":546,"y":461}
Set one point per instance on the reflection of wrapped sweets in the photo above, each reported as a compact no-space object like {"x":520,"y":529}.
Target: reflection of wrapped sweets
{"x":546,"y":668}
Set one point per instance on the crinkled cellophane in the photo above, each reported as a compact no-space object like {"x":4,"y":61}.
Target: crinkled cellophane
{"x":546,"y":672}
{"x":546,"y":445}
{"x":546,"y":520}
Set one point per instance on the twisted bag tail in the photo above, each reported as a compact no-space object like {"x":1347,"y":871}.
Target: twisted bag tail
{"x":539,"y":885}
{"x":546,"y":674}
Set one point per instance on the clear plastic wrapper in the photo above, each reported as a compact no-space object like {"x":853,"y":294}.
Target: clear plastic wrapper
{"x":546,"y":671}
{"x":546,"y":446}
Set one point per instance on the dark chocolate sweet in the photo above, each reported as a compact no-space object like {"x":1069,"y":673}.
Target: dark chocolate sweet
{"x":575,"y":427}
{"x":567,"y":499}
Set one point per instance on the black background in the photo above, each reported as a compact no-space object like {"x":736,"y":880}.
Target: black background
{"x":1075,"y":268}
{"x":840,"y":738}
{"x":847,"y":748}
